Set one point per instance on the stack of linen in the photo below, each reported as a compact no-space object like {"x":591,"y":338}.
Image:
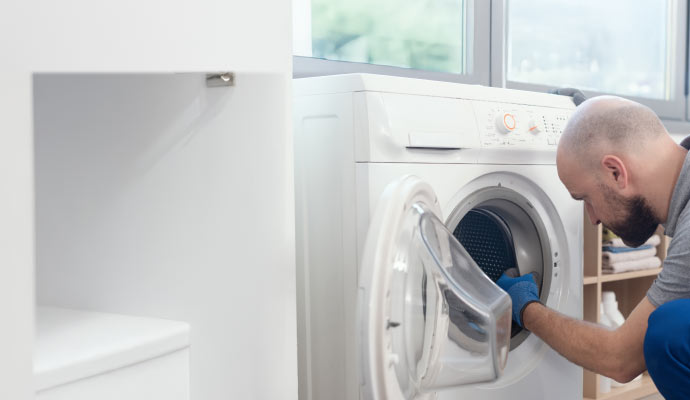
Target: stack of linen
{"x":617,"y":257}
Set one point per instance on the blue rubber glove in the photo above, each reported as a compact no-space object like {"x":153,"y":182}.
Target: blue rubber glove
{"x":522,"y":290}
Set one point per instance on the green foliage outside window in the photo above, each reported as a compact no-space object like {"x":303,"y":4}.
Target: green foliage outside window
{"x":426,"y":34}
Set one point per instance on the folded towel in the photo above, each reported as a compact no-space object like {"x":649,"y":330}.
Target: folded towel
{"x":609,"y":257}
{"x":635,"y":265}
{"x":613,"y":249}
{"x":618,"y":242}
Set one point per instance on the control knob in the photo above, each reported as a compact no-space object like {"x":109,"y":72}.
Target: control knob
{"x":505,"y":123}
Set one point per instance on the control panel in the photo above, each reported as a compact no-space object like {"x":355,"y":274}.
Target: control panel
{"x":515,"y":125}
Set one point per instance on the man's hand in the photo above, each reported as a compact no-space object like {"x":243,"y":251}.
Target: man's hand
{"x":522,"y":290}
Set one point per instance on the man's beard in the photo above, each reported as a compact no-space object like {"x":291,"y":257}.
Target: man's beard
{"x":638,"y":222}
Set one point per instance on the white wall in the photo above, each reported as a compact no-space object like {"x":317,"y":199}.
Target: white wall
{"x":151,"y":36}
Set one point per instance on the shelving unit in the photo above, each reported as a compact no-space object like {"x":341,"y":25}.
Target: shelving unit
{"x":630,"y":289}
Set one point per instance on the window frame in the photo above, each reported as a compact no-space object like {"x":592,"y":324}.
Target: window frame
{"x":477,"y":30}
{"x":676,"y":109}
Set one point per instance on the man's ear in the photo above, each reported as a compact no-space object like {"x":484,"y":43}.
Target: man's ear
{"x":615,"y":171}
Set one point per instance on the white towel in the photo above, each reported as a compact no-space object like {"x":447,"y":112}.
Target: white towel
{"x":635,"y":265}
{"x":618,"y":242}
{"x":608,"y":257}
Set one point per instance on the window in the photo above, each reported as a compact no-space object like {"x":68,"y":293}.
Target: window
{"x":632,"y":48}
{"x":391,"y":32}
{"x":624,"y":47}
{"x":431,"y":39}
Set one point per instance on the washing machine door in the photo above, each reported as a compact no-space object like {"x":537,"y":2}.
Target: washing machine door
{"x":429,"y":318}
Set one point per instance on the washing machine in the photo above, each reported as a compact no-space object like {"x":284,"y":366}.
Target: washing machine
{"x":412,"y":198}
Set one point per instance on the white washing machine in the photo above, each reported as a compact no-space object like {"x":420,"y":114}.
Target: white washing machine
{"x":412,"y":197}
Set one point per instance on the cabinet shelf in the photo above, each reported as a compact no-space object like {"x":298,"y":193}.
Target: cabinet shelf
{"x":589,"y":280}
{"x":629,"y":275}
{"x":74,"y":344}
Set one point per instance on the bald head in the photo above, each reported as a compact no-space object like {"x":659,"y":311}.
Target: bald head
{"x":617,"y":157}
{"x":607,"y":124}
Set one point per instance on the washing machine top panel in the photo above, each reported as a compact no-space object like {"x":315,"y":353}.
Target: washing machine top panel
{"x":396,"y":119}
{"x":348,"y":83}
{"x":393,"y":127}
{"x":430,"y":318}
{"x":74,"y":344}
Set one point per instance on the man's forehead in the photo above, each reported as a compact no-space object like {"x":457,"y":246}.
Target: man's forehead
{"x":572,"y":175}
{"x":566,"y":165}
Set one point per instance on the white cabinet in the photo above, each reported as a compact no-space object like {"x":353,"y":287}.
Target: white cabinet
{"x":128,"y":189}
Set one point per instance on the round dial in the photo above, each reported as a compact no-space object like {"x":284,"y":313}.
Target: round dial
{"x":532,"y":127}
{"x":505,"y":122}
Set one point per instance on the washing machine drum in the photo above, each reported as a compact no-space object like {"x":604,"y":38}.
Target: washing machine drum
{"x":488,"y":240}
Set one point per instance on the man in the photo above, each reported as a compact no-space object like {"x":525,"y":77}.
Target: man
{"x":616,"y":156}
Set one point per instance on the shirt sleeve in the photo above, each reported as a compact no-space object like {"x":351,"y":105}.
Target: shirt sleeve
{"x":673,"y":281}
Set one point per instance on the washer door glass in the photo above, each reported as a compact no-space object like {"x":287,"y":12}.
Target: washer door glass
{"x":430,"y":318}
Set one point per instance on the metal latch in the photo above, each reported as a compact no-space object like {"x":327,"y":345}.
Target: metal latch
{"x":220,"y":79}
